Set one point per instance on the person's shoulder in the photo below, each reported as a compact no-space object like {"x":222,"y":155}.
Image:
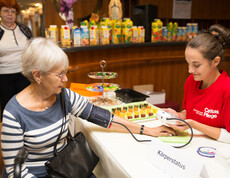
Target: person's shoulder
{"x":190,"y":77}
{"x":68,"y":91}
{"x":74,"y":100}
{"x":1,"y":32}
{"x":225,"y":82}
{"x":11,"y":109}
{"x":21,"y":25}
{"x":189,"y":80}
{"x":12,"y":101}
{"x":24,"y":27}
{"x":225,"y":79}
{"x":70,"y":94}
{"x":26,"y":30}
{"x":73,"y":95}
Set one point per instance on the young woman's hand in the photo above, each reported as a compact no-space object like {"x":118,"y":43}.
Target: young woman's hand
{"x":181,"y":127}
{"x":160,"y":131}
{"x":181,"y":115}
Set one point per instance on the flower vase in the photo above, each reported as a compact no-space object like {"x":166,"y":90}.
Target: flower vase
{"x":69,"y":18}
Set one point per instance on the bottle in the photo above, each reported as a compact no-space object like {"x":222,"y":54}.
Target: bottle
{"x":141,"y":34}
{"x":85,"y":23}
{"x":104,"y":35}
{"x":76,"y":33}
{"x":174,"y":31}
{"x":116,"y":32}
{"x":128,"y":31}
{"x":154,"y":36}
{"x":170,"y":29}
{"x":53,"y":33}
{"x":183,"y":33}
{"x":135,"y":34}
{"x":85,"y":35}
{"x":122,"y":29}
{"x":65,"y":35}
{"x":189,"y":31}
{"x":109,"y":24}
{"x":194,"y":30}
{"x":164,"y":34}
{"x":179,"y":34}
{"x":94,"y":35}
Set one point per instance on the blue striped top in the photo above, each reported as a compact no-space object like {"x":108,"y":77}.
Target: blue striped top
{"x":37,"y":131}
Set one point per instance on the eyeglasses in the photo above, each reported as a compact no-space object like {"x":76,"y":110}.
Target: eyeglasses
{"x":61,"y":75}
{"x":8,"y":11}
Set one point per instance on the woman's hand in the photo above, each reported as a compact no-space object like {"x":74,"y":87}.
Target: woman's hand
{"x":172,"y":111}
{"x":160,"y":131}
{"x":181,"y":115}
{"x":135,"y":128}
{"x":182,"y":127}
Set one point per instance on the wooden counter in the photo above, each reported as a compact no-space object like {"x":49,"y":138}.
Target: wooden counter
{"x":160,"y":64}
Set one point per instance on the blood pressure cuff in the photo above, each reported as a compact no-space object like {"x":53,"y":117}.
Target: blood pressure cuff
{"x":97,"y":115}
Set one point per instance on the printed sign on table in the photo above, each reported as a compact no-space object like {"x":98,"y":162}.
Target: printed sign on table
{"x":174,"y":161}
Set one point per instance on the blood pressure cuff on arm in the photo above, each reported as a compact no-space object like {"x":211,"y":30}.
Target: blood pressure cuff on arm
{"x":97,"y":115}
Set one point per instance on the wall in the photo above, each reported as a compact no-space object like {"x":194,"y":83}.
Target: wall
{"x":204,"y":12}
{"x":201,"y":9}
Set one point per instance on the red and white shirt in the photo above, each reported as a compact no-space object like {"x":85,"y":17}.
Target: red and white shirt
{"x":210,"y":106}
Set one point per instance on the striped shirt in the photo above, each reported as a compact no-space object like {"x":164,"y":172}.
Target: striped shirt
{"x":36,"y":131}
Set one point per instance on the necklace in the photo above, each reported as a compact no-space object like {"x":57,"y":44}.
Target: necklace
{"x":41,"y":101}
{"x":44,"y":106}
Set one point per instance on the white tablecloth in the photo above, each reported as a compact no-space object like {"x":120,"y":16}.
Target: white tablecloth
{"x":121,"y":156}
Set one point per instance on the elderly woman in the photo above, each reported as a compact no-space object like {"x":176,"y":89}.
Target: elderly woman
{"x":33,"y":118}
{"x":13,"y":38}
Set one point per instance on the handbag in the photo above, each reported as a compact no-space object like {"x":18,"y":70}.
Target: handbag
{"x":76,"y":160}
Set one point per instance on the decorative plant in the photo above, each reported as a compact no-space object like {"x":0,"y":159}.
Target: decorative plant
{"x":66,"y":11}
{"x":66,"y":6}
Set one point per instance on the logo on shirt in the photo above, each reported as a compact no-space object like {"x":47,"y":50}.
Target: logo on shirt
{"x":208,"y":113}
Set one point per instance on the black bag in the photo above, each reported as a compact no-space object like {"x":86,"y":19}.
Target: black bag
{"x":76,"y":160}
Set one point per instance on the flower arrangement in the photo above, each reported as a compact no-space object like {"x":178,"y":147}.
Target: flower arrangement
{"x":66,"y":6}
{"x":67,"y":11}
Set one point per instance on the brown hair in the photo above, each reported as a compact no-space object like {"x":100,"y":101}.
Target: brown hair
{"x":211,"y":43}
{"x":10,"y":4}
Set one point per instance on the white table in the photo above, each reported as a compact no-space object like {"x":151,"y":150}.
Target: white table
{"x":121,"y":156}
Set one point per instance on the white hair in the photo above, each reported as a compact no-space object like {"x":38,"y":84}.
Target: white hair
{"x":43,"y":55}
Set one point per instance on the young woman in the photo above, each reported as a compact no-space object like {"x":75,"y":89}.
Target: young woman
{"x":207,"y":90}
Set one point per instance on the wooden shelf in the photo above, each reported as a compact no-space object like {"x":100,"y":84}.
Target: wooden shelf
{"x":121,"y":45}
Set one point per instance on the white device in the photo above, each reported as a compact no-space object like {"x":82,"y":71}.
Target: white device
{"x":164,"y":116}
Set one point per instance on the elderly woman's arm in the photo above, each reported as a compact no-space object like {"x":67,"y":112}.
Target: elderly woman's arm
{"x":136,"y":128}
{"x":97,"y":115}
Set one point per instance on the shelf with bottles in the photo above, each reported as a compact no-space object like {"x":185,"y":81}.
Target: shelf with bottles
{"x":172,"y":32}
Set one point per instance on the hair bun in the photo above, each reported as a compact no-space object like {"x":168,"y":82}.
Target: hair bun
{"x":221,"y":33}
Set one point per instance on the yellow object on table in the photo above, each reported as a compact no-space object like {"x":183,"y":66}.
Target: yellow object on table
{"x":175,"y":139}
